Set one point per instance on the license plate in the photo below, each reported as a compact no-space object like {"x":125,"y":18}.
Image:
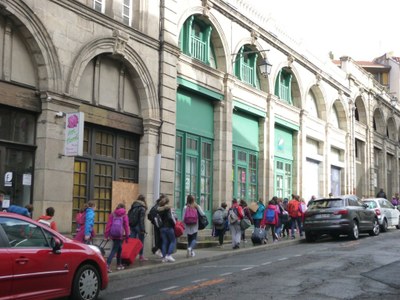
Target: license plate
{"x":322,"y":216}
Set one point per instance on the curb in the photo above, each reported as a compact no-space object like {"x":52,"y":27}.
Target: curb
{"x":180,"y":263}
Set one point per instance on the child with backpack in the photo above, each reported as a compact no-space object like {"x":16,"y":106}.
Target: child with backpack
{"x":271,"y":217}
{"x":219,"y":220}
{"x":235,"y":214}
{"x":136,"y":216}
{"x":117,"y":229}
{"x":191,"y":221}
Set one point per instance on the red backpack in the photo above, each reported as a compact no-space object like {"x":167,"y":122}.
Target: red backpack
{"x":293,"y":209}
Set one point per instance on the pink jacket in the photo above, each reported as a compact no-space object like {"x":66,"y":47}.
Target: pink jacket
{"x":125,"y":224}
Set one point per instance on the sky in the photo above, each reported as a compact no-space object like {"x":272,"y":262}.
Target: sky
{"x":361,"y":29}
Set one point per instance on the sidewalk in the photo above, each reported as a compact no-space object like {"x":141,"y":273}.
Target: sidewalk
{"x":154,"y":264}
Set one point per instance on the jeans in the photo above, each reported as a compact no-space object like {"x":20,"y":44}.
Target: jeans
{"x":168,"y":240}
{"x":116,"y":248}
{"x":293,"y":223}
{"x":272,"y":226}
{"x":192,"y":239}
{"x":135,"y":233}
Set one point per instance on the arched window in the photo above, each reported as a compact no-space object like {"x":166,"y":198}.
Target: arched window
{"x":312,"y":104}
{"x":195,"y":41}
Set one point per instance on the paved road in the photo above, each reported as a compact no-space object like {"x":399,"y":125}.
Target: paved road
{"x":328,"y":269}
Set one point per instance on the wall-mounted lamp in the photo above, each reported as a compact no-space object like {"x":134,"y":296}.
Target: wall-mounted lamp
{"x":60,"y":114}
{"x":265,"y":66}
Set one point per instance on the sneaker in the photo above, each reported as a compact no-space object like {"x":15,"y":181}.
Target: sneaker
{"x":170,"y":258}
{"x":142,"y":258}
{"x":189,"y":250}
{"x":219,"y":246}
{"x":293,"y":237}
{"x":192,"y":254}
{"x":109,"y":269}
{"x":120,"y":267}
{"x":158,"y":253}
{"x":164,"y":260}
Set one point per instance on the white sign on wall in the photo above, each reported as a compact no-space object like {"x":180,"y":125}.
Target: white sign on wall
{"x":74,"y":134}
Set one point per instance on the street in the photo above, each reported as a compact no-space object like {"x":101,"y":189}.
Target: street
{"x":328,"y":269}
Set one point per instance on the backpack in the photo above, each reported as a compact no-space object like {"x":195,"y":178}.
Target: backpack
{"x":233,"y":216}
{"x":117,"y":228}
{"x":151,"y":216}
{"x":46,"y":222}
{"x":191,"y":216}
{"x":270,"y":215}
{"x":133,"y":216}
{"x":218,"y":217}
{"x":293,"y":208}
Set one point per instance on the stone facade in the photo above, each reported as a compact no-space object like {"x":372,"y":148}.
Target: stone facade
{"x":64,"y":56}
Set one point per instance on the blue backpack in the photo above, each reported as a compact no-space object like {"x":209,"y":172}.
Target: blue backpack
{"x":270,"y":215}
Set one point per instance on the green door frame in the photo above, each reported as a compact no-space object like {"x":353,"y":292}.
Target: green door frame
{"x":283,"y":177}
{"x":193,"y":176}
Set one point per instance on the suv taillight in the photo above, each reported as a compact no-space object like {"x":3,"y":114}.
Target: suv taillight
{"x":341,"y":212}
{"x":377,"y":211}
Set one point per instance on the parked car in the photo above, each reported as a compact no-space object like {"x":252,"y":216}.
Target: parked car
{"x":387,"y":213}
{"x":37,"y":262}
{"x":335,"y":216}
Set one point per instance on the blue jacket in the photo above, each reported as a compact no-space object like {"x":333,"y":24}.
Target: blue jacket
{"x":89,"y":222}
{"x":259,"y":214}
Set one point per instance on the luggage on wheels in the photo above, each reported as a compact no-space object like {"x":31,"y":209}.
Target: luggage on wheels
{"x":259,"y":236}
{"x":130,"y":250}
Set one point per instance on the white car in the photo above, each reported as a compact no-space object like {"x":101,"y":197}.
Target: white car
{"x":387,"y":213}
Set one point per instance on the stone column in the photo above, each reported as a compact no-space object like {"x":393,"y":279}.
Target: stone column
{"x":53,"y":177}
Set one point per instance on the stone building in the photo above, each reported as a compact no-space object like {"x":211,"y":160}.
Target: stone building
{"x":173,"y":101}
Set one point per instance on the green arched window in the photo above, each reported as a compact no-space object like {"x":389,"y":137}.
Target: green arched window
{"x":283,"y":86}
{"x":195,"y":41}
{"x":246,"y":66}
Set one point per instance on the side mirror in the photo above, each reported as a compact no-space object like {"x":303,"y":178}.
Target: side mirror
{"x":56,"y":244}
{"x":366,"y":205}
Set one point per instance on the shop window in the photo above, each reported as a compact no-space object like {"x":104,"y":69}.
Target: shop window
{"x":244,"y":173}
{"x":193,"y":170}
{"x":109,"y":156}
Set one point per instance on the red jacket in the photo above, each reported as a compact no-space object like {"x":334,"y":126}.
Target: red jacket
{"x":48,"y":221}
{"x":239,"y":210}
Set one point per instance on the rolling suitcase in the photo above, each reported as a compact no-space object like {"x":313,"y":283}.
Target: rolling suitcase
{"x":130,"y":250}
{"x":259,"y":236}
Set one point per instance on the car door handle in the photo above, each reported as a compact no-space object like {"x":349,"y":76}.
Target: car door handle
{"x":22,"y":260}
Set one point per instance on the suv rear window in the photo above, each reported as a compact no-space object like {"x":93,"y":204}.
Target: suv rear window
{"x":327,"y":203}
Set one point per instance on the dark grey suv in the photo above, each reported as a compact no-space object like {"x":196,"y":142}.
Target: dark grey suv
{"x":345,"y":214}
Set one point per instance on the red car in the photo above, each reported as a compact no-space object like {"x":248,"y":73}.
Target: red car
{"x":37,"y":262}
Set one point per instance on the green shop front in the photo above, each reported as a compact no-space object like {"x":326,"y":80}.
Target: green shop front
{"x":283,"y":158}
{"x":194,"y":145}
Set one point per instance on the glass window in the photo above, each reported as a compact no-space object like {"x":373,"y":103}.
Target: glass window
{"x":244,"y":175}
{"x":17,"y":126}
{"x":127,"y":12}
{"x":195,"y":41}
{"x":99,"y":5}
{"x":193,"y":170}
{"x":23,"y":234}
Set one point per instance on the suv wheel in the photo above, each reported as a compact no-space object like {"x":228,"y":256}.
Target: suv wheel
{"x":376,"y":229}
{"x":310,"y":237}
{"x":355,"y":232}
{"x":86,"y":285}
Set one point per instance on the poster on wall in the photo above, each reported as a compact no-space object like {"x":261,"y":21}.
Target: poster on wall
{"x":74,"y":134}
